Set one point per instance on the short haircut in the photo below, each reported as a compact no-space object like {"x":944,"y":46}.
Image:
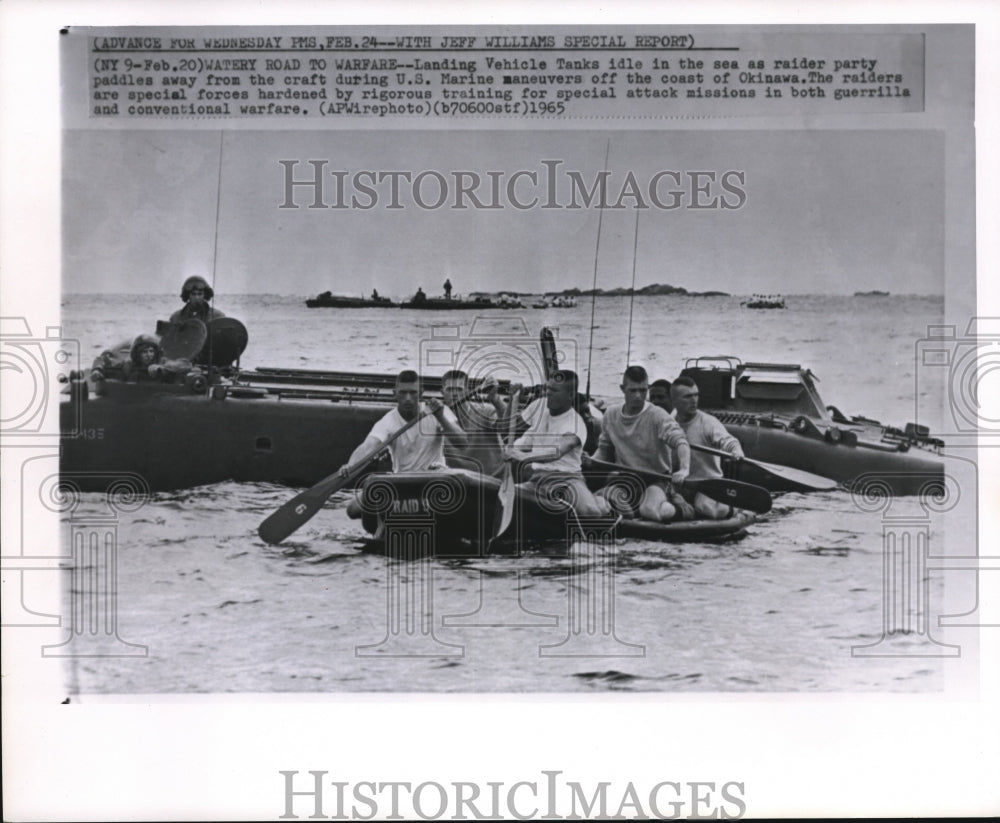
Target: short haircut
{"x":567,"y":378}
{"x":454,"y":374}
{"x":636,"y":374}
{"x":663,"y":384}
{"x":408,"y":376}
{"x":683,"y":382}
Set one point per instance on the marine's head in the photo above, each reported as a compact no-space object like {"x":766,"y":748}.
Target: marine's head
{"x":659,"y":395}
{"x":196,"y":289}
{"x":684,"y":394}
{"x":635,"y":386}
{"x":145,"y":350}
{"x":454,"y":387}
{"x":560,"y":391}
{"x":407,"y":393}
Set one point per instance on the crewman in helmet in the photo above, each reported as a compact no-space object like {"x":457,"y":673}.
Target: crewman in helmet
{"x":130,"y":361}
{"x":145,"y":352}
{"x":196,"y":293}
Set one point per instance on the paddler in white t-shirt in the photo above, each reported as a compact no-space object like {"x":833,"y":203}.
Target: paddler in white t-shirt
{"x":553,"y":446}
{"x":420,"y":448}
{"x":639,"y":435}
{"x":701,"y":429}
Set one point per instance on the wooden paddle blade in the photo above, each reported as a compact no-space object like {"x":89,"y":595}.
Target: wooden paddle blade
{"x":737,"y":494}
{"x":550,"y":357}
{"x":505,"y":500}
{"x":797,"y":479}
{"x":300,"y":509}
{"x":774,"y":477}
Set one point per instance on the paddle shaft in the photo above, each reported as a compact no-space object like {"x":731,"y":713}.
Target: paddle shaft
{"x":732,"y":492}
{"x":300,"y":509}
{"x":806,"y":481}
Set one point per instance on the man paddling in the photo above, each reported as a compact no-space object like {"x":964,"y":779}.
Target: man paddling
{"x":642,"y":436}
{"x":421,"y":447}
{"x":478,"y":420}
{"x":702,"y":429}
{"x":553,"y":446}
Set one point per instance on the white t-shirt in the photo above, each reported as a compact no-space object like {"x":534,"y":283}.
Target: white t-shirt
{"x":419,"y":448}
{"x":545,"y":433}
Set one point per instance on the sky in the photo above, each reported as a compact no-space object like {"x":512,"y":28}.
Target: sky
{"x":824,"y":212}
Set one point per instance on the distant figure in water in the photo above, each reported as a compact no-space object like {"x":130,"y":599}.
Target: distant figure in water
{"x":447,"y":289}
{"x":419,"y":297}
{"x":196,"y":293}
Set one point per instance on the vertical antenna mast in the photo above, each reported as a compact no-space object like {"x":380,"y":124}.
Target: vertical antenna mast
{"x":215,"y":252}
{"x":631,"y":303}
{"x":597,"y":251}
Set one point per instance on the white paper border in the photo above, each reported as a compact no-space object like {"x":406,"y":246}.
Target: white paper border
{"x":814,"y":754}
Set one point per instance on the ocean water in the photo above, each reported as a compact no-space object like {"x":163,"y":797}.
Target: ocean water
{"x":778,"y":611}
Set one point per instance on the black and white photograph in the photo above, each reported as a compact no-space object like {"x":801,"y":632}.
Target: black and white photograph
{"x":558,"y":420}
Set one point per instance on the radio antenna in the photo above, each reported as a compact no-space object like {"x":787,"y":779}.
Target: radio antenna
{"x":631,"y":302}
{"x":593,"y":294}
{"x":215,"y":255}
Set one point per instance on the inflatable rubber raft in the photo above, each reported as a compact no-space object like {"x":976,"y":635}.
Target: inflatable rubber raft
{"x":456,"y":512}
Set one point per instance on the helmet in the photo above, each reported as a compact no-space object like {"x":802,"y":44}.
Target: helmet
{"x":191,"y":282}
{"x":139,"y":342}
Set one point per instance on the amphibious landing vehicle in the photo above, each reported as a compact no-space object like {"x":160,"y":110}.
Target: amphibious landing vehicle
{"x":775,"y":411}
{"x":295,"y":426}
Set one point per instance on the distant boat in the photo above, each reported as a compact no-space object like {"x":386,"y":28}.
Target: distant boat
{"x":508,"y":301}
{"x":326,"y":300}
{"x":765,"y":301}
{"x":872,"y":293}
{"x":556,"y":301}
{"x":473,"y":301}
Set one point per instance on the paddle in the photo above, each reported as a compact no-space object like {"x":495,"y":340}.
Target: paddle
{"x":300,"y":509}
{"x":550,"y":357}
{"x":507,"y":493}
{"x":731,"y":492}
{"x":787,"y":478}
